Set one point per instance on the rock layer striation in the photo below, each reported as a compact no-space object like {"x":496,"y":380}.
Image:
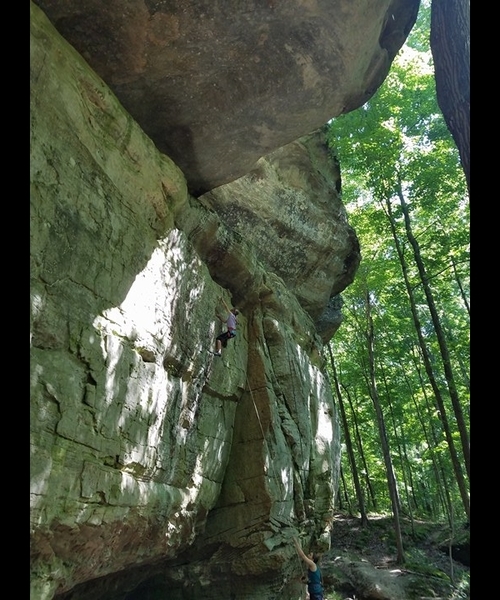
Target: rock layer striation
{"x":155,"y":465}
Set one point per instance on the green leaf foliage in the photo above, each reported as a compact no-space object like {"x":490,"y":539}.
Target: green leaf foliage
{"x":398,"y":146}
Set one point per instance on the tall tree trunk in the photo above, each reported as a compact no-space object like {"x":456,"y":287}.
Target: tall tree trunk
{"x":346,"y":495}
{"x":460,"y":286}
{"x":463,"y":364}
{"x":428,"y":366}
{"x":399,"y":437}
{"x":347,"y":436}
{"x":450,"y":46}
{"x":361,"y":452}
{"x":391,"y":480}
{"x":441,"y":338}
{"x":441,"y":477}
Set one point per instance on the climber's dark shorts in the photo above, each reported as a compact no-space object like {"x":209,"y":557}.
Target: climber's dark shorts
{"x":226,"y":335}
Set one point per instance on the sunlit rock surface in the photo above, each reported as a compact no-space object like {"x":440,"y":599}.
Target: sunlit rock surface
{"x":217,"y":85}
{"x":154,"y":463}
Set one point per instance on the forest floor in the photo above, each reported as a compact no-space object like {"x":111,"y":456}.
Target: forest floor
{"x":361,"y":564}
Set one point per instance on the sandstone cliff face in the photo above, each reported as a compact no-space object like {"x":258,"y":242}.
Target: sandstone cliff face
{"x":154,"y":463}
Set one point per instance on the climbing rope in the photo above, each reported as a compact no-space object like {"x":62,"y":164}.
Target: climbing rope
{"x":297,"y":555}
{"x":269,"y":453}
{"x":260,"y":423}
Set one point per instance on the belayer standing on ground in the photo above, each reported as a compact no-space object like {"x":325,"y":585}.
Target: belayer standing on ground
{"x":231,"y":322}
{"x":314,"y":579}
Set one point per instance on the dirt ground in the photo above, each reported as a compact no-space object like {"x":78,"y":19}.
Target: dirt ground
{"x":361,"y":564}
